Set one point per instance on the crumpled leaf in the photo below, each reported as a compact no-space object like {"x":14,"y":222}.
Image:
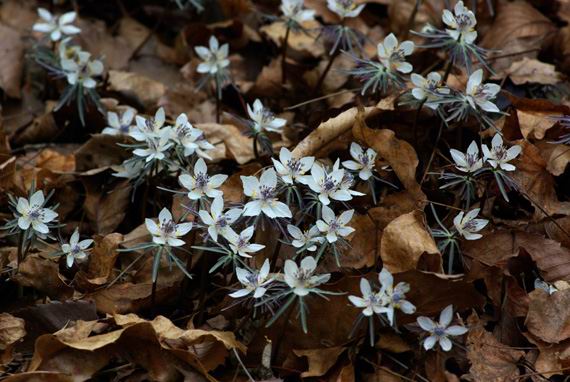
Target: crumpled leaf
{"x":536,"y":183}
{"x":143,"y":89}
{"x":301,"y":44}
{"x":106,"y":209}
{"x":167,"y":348}
{"x":11,"y":60}
{"x":320,"y":360}
{"x":517,"y":27}
{"x":237,"y":145}
{"x":12,"y":330}
{"x":404,"y":241}
{"x":549,"y":315}
{"x":490,"y":360}
{"x":530,"y":70}
{"x":43,"y":275}
{"x":496,"y":248}
{"x":328,"y":131}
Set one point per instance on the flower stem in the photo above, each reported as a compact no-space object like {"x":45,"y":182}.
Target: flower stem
{"x":439,"y":132}
{"x":255,"y":151}
{"x":411,"y":20}
{"x":325,"y":72}
{"x":284,"y":56}
{"x":416,"y":118}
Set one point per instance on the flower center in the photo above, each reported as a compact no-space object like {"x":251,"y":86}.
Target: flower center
{"x":266,"y":192}
{"x":168,"y":227}
{"x":201,"y":180}
{"x":328,"y":184}
{"x":294,"y":165}
{"x":35,"y":213}
{"x":438,"y":331}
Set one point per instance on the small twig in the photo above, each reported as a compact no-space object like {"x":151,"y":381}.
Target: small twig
{"x":320,"y":98}
{"x":325,"y":72}
{"x":432,"y":152}
{"x":284,"y":56}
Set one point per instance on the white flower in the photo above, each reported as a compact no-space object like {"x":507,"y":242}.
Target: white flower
{"x":128,"y":169}
{"x":371,"y":302}
{"x":462,"y":23}
{"x":301,"y":279}
{"x":264,"y":119}
{"x":155,"y":148}
{"x":468,"y":162}
{"x":467,"y":226}
{"x":192,"y":138}
{"x":393,"y":55}
{"x":327,"y":185}
{"x":75,"y":250}
{"x":57,"y":27}
{"x":215,"y":58}
{"x":167,"y":232}
{"x":293,"y":10}
{"x":253,"y":281}
{"x":82,"y":69}
{"x":478,"y":94}
{"x":68,"y":52}
{"x":440,"y":331}
{"x":32,"y":213}
{"x":394,"y":297}
{"x":307,"y":239}
{"x":363,"y":162}
{"x":149,"y":127}
{"x":218,"y":222}
{"x":345,"y":8}
{"x":240,"y":244}
{"x":428,"y":89}
{"x":499,"y":155}
{"x":333,"y":226}
{"x":201,"y":184}
{"x":548,"y":288}
{"x":263,"y":193}
{"x":291,"y":169}
{"x":347,"y":181}
{"x":120,"y":126}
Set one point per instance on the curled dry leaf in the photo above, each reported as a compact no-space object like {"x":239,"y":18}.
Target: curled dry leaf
{"x":533,"y":71}
{"x":552,"y":259}
{"x":490,"y":360}
{"x":556,"y":156}
{"x":101,"y":260}
{"x":329,"y":130}
{"x":518,"y":27}
{"x":12,"y":330}
{"x":399,"y":154}
{"x":404,"y":241}
{"x":320,"y":360}
{"x":301,"y":44}
{"x":237,"y":145}
{"x":11,"y":60}
{"x":536,"y":184}
{"x":43,"y":275}
{"x":105,"y":210}
{"x":549,"y":315}
{"x":158,"y":346}
{"x":144,"y":90}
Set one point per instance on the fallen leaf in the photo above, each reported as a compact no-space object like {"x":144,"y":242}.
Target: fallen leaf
{"x":549,"y":315}
{"x":12,"y":330}
{"x":320,"y":360}
{"x":143,"y":89}
{"x":106,"y":209}
{"x":552,"y":259}
{"x":11,"y":61}
{"x":490,"y":360}
{"x":530,"y":70}
{"x":238,"y":146}
{"x":404,"y":240}
{"x":43,"y":275}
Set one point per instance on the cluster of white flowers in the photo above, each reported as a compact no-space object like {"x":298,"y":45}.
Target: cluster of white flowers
{"x":497,"y":156}
{"x":165,"y":145}
{"x":386,"y":300}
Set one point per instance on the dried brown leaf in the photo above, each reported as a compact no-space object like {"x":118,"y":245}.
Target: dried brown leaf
{"x":404,"y":241}
{"x":143,"y":89}
{"x":549,"y":315}
{"x":11,"y":60}
{"x":490,"y":360}
{"x":320,"y":360}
